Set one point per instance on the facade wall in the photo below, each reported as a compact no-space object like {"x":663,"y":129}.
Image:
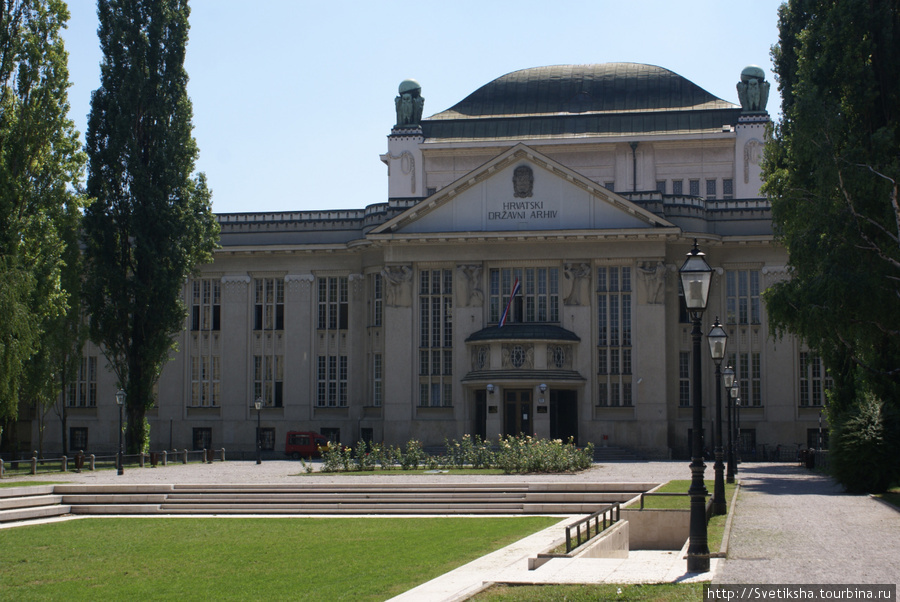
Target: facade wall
{"x":655,"y":422}
{"x":327,"y":316}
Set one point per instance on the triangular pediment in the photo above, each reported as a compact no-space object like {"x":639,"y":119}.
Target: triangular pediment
{"x":522,"y":190}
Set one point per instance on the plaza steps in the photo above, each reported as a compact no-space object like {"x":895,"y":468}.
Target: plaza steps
{"x":30,"y":503}
{"x":336,"y":499}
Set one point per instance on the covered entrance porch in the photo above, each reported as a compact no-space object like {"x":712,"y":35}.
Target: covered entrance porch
{"x":522,"y":382}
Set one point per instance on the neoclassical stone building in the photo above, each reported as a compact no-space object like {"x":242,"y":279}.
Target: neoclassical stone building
{"x":581,"y":188}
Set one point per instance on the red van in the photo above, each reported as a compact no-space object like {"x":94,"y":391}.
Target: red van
{"x":303,"y":444}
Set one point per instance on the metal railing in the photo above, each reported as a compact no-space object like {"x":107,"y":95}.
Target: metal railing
{"x":91,"y":462}
{"x":614,"y":515}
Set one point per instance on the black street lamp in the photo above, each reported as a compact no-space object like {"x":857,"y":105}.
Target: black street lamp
{"x":695,"y":276}
{"x":120,"y":457}
{"x":258,"y":404}
{"x":728,"y":375}
{"x":718,"y":339}
{"x":819,"y":440}
{"x":736,"y":396}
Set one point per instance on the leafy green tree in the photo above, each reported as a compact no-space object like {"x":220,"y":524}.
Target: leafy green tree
{"x":832,"y":169}
{"x":40,"y":165}
{"x":66,"y":334}
{"x":151,"y":222}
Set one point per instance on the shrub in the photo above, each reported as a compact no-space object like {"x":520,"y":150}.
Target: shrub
{"x":525,"y":454}
{"x":522,"y":454}
{"x":387,"y":456}
{"x":412,"y":456}
{"x":332,"y":458}
{"x":866,"y":443}
{"x":463,"y":453}
{"x":483,"y":453}
{"x":365,"y":459}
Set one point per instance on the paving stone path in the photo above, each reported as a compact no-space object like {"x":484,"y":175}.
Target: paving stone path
{"x":793,"y":526}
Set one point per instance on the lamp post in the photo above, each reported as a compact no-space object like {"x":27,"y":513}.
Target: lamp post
{"x":718,"y":339}
{"x":258,"y":404}
{"x":695,"y":276}
{"x":736,"y":395}
{"x":728,"y":374}
{"x":819,"y":440}
{"x":120,"y":457}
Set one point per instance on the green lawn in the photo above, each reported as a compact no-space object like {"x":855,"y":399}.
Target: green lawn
{"x":243,"y":559}
{"x":891,"y":496}
{"x":681,"y":502}
{"x":28,"y":483}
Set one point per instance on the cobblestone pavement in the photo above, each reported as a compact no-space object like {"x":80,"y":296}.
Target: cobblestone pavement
{"x":795,"y":526}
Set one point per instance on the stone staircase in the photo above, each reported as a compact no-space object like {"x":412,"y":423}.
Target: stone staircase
{"x":29,"y":503}
{"x":314,"y":499}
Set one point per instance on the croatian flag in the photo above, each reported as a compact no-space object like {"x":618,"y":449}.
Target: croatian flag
{"x":512,"y":296}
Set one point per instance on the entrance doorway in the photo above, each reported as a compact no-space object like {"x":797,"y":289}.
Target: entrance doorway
{"x":517,"y":418}
{"x":480,"y":414}
{"x":564,"y":415}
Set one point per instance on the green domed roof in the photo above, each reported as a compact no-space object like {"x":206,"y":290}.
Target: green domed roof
{"x":565,"y":100}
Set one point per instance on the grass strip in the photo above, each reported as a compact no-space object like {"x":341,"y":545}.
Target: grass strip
{"x":652,"y":502}
{"x":891,"y":496}
{"x":244,"y":559}
{"x":6,"y":484}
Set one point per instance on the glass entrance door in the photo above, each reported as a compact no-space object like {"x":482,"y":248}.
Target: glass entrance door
{"x":517,"y":417}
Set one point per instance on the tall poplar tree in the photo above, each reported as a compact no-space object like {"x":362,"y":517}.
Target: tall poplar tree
{"x":152,"y":222}
{"x":40,"y":165}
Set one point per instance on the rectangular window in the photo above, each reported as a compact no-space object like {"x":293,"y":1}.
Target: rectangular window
{"x":206,"y":305}
{"x":331,"y":385}
{"x":206,"y":317}
{"x":610,"y":186}
{"x":82,"y":390}
{"x":677,"y":187}
{"x":711,"y":189}
{"x":331,"y":433}
{"x":334,"y":303}
{"x":684,"y":379}
{"x":814,"y":380}
{"x":206,"y":376}
{"x":536,"y":301}
{"x":377,"y":300}
{"x":748,"y":373}
{"x":202,"y":438}
{"x":78,"y":438}
{"x":727,"y":188}
{"x":742,"y":302}
{"x":268,"y":379}
{"x":268,"y":302}
{"x":266,"y":438}
{"x":435,"y":336}
{"x":614,"y":335}
{"x":377,"y":379}
{"x":661,"y":186}
{"x":694,"y":187}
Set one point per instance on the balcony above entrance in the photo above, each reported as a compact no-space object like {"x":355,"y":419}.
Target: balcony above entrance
{"x":523,"y":351}
{"x":523,"y":332}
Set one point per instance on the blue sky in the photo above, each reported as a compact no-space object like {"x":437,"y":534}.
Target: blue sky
{"x":293,"y":100}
